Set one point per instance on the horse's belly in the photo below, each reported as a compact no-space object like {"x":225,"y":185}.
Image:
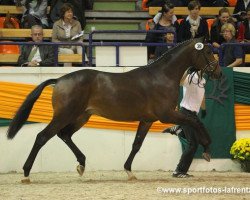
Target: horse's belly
{"x":121,"y":114}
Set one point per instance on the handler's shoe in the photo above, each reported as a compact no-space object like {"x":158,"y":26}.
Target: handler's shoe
{"x":181,"y":175}
{"x":174,"y":130}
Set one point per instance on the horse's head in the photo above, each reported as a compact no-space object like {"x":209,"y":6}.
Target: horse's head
{"x":204,"y":60}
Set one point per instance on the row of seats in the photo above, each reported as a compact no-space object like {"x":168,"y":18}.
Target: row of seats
{"x":232,"y":3}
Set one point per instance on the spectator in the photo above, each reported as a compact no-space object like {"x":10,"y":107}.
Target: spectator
{"x":193,"y":26}
{"x":163,"y":21}
{"x":79,"y":7}
{"x":37,"y":55}
{"x":34,"y":13}
{"x":240,"y":9}
{"x":215,"y":33}
{"x":169,"y":39}
{"x":232,"y":55}
{"x":244,"y":28}
{"x":65,"y":29}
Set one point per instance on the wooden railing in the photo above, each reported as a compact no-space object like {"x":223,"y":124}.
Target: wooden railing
{"x":62,"y":58}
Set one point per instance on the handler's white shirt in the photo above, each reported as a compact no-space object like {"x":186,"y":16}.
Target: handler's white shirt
{"x":193,"y":93}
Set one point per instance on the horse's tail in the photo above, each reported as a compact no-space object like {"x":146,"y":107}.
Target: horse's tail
{"x":24,"y":111}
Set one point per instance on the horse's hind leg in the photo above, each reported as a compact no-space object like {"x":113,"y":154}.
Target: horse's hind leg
{"x":141,"y":133}
{"x":44,"y":136}
{"x":66,"y":133}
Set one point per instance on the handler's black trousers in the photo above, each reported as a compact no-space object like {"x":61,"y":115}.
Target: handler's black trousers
{"x":188,"y":153}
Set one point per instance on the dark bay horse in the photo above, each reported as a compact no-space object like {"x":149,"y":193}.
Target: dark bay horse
{"x":146,"y":94}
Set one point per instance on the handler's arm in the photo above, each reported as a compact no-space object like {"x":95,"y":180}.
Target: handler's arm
{"x":183,"y":78}
{"x":203,"y":103}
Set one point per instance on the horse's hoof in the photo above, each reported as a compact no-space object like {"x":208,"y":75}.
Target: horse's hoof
{"x":80,"y":169}
{"x":26,"y":180}
{"x":131,"y":176}
{"x":206,"y":156}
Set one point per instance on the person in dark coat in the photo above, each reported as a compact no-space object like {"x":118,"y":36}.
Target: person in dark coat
{"x":37,"y":55}
{"x":224,"y":17}
{"x":240,"y":9}
{"x":193,"y":26}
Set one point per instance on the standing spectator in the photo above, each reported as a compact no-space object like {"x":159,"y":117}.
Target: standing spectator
{"x":37,"y":55}
{"x":34,"y":13}
{"x":240,"y":9}
{"x":232,"y":55}
{"x":193,"y":26}
{"x":79,"y":7}
{"x":215,"y":33}
{"x":169,"y":39}
{"x":163,"y":21}
{"x":65,"y":29}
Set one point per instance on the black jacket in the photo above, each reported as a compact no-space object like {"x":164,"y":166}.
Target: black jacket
{"x":239,"y":7}
{"x":46,"y":53}
{"x":185,"y":34}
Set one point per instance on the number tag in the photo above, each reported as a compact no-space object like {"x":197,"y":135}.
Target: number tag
{"x":199,"y":46}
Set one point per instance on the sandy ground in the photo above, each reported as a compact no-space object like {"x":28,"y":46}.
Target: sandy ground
{"x":114,"y":185}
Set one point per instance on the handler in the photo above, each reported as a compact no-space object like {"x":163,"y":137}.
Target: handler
{"x":193,"y":99}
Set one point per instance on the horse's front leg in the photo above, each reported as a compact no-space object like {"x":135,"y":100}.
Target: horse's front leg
{"x":141,"y":133}
{"x":180,"y":118}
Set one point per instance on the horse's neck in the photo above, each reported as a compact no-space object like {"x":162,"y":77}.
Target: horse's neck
{"x":176,"y":65}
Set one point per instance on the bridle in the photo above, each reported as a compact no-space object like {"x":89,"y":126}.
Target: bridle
{"x":210,"y":67}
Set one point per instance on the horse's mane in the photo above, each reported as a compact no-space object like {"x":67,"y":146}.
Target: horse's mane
{"x":171,"y":51}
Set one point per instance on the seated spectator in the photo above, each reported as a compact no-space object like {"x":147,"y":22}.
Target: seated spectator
{"x":240,"y":9}
{"x":169,"y":39}
{"x":163,"y":21}
{"x":244,"y":28}
{"x":34,"y":13}
{"x":232,"y":55}
{"x":78,"y":9}
{"x":215,"y":33}
{"x":193,"y":26}
{"x":65,"y":29}
{"x":37,"y":55}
